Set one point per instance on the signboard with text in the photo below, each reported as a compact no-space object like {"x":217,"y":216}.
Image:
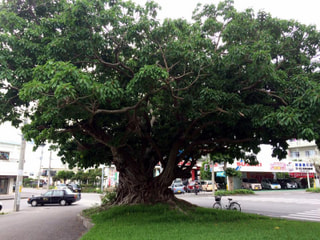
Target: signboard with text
{"x":280,"y":166}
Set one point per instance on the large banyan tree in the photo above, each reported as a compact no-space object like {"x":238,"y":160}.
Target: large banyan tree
{"x":109,"y":83}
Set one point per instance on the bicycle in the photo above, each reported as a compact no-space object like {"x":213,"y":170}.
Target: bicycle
{"x":232,"y":205}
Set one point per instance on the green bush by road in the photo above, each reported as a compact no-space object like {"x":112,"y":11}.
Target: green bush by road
{"x":315,"y":190}
{"x":164,"y":222}
{"x":233,"y":192}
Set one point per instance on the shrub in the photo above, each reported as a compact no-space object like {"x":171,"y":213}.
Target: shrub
{"x":234,"y":192}
{"x":108,"y":198}
{"x":315,"y":190}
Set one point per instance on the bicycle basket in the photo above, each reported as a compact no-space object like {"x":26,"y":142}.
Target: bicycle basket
{"x":218,"y":198}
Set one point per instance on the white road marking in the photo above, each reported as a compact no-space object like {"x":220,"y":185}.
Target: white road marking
{"x":312,"y":215}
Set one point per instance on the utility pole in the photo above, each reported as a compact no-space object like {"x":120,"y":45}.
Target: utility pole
{"x":17,"y":195}
{"x":213,"y":180}
{"x":49,"y":171}
{"x":42,"y":145}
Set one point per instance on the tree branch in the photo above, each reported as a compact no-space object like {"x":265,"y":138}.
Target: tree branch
{"x":270,"y":93}
{"x":126,"y":109}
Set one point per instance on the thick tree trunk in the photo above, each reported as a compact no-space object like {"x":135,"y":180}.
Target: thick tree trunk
{"x":137,"y":185}
{"x":133,"y":191}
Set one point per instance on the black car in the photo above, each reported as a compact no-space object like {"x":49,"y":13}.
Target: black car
{"x":0,"y":206}
{"x":74,"y":187}
{"x":287,"y":183}
{"x":62,"y":197}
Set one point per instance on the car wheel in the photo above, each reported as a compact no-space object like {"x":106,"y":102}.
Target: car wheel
{"x":34,"y":203}
{"x":63,"y":202}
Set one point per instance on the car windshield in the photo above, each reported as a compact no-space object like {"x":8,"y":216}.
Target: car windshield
{"x":253,"y":181}
{"x":274,"y":181}
{"x":178,"y":185}
{"x":68,"y":191}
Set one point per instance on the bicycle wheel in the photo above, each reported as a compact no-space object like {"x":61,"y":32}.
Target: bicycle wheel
{"x":217,"y":205}
{"x":235,"y":206}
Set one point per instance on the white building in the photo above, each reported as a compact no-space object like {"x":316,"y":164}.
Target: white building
{"x":35,"y":161}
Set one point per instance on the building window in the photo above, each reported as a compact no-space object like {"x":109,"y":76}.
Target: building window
{"x":310,"y":153}
{"x":295,"y":154}
{"x":4,"y":155}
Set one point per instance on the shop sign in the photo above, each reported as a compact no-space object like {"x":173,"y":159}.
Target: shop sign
{"x":221,"y":174}
{"x":281,"y":166}
{"x":301,"y":175}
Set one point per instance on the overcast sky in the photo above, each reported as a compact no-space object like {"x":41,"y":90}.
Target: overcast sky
{"x":306,"y":11}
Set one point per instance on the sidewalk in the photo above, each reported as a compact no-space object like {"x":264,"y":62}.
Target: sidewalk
{"x":25,"y":193}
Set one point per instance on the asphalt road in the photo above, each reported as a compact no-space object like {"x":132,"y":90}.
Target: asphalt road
{"x":288,"y":204}
{"x":56,"y":222}
{"x":52,"y":222}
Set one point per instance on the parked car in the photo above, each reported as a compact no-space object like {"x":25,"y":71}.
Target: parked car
{"x":61,"y":186}
{"x":268,"y":183}
{"x":251,"y":183}
{"x":74,"y":187}
{"x":208,"y":186}
{"x":34,"y":184}
{"x":301,"y":182}
{"x":288,"y":184}
{"x":201,"y":184}
{"x":0,"y":206}
{"x":177,"y":188}
{"x":191,"y":186}
{"x":62,"y":197}
{"x":177,"y":180}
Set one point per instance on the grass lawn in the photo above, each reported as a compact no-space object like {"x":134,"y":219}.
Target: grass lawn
{"x":162,"y":222}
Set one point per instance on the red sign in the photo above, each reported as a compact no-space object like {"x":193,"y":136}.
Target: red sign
{"x":301,"y":175}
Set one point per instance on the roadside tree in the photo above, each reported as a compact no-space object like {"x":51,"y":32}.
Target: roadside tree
{"x":113,"y":84}
{"x":65,"y":175}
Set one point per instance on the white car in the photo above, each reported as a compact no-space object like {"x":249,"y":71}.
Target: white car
{"x":268,"y":183}
{"x":0,"y":206}
{"x":251,"y":184}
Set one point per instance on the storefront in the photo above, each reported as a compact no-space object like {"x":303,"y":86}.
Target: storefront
{"x":291,"y":169}
{"x":268,"y":169}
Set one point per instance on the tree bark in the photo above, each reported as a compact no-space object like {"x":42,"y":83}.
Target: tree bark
{"x":137,"y":185}
{"x":131,"y":190}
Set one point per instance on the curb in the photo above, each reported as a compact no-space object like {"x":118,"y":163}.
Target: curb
{"x":85,"y":221}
